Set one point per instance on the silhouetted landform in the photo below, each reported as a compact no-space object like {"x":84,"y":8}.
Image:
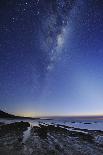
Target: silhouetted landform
{"x":7,"y":115}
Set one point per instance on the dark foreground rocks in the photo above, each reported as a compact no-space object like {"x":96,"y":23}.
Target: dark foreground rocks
{"x":43,"y":130}
{"x":13,"y":127}
{"x":11,"y":137}
{"x":47,"y":140}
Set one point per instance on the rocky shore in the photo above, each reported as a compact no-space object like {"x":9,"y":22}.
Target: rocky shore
{"x":46,"y":139}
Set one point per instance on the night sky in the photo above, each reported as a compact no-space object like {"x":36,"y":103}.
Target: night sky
{"x":51,"y":57}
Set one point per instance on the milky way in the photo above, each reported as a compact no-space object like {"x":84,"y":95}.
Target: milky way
{"x":51,"y":56}
{"x":53,"y":28}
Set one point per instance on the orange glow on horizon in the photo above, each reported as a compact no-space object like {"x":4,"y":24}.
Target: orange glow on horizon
{"x":35,"y":114}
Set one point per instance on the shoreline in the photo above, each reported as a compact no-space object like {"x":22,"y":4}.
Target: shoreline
{"x":54,"y":139}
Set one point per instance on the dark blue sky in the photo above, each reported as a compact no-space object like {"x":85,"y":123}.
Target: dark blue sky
{"x":51,"y":57}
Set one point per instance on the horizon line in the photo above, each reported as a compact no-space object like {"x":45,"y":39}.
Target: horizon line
{"x":51,"y":116}
{"x":71,"y":115}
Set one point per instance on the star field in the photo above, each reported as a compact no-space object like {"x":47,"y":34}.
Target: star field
{"x":51,"y":56}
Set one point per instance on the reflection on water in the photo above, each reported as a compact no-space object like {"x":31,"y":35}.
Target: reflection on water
{"x":26,"y":134}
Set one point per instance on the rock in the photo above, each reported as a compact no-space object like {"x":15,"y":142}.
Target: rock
{"x":13,"y":127}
